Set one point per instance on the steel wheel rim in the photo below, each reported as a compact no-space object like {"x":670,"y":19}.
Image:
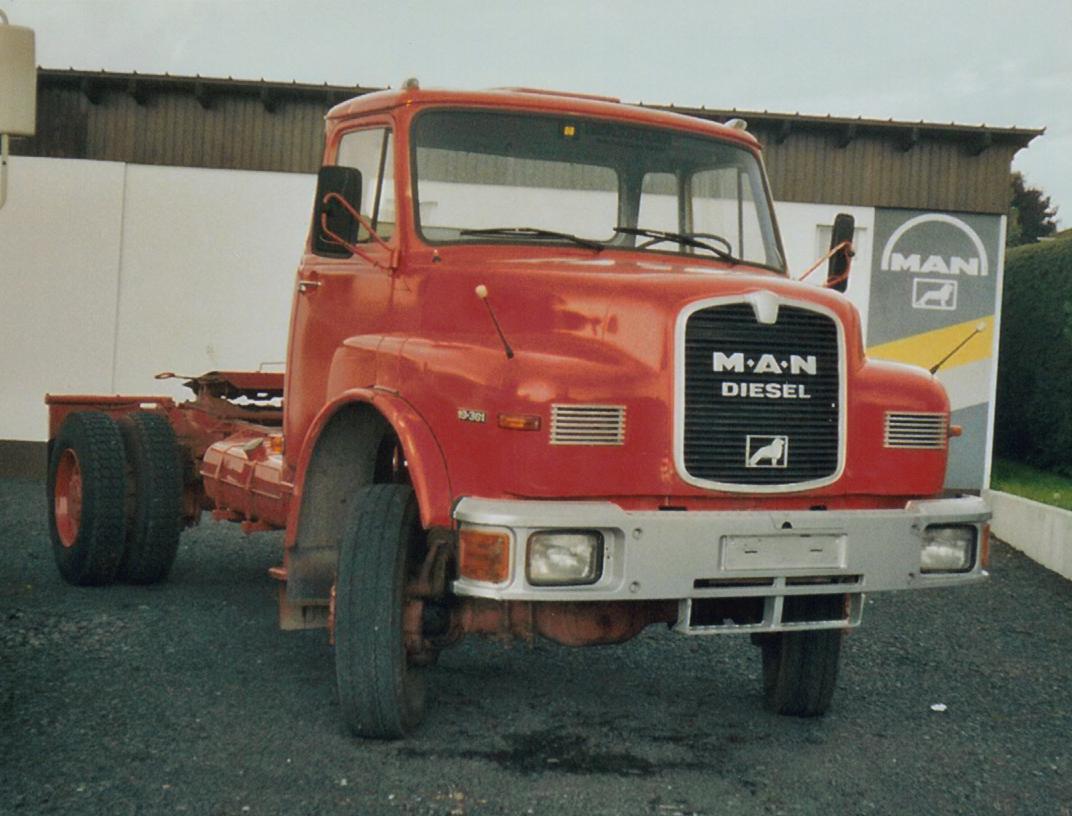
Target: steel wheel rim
{"x":67,"y":498}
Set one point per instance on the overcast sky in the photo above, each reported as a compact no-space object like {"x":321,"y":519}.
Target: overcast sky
{"x":989,"y":61}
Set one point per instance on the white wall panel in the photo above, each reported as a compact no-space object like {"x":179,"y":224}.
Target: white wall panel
{"x":207,"y":271}
{"x":59,"y":262}
{"x":800,"y":227}
{"x":112,"y":273}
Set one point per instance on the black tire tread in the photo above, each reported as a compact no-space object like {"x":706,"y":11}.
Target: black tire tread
{"x":96,"y":441}
{"x":156,"y":522}
{"x":800,"y":668}
{"x":381,"y":697}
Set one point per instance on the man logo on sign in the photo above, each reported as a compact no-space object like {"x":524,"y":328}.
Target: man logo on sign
{"x":932,"y":293}
{"x":906,"y":256}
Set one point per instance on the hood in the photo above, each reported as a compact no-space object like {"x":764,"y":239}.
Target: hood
{"x":559,"y":304}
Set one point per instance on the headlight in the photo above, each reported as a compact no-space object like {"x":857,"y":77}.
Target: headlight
{"x":948,"y":548}
{"x":563,"y":558}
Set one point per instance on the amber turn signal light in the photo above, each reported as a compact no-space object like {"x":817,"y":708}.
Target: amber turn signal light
{"x":484,"y":556}
{"x":519,"y":422}
{"x":984,"y":547}
{"x":955,"y":430}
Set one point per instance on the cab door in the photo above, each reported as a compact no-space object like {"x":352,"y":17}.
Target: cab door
{"x":341,"y":294}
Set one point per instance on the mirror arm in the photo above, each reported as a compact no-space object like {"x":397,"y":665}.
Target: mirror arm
{"x":831,"y":282}
{"x":356,"y":250}
{"x":844,"y":245}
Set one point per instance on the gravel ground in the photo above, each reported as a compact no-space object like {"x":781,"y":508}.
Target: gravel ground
{"x":185,"y":698}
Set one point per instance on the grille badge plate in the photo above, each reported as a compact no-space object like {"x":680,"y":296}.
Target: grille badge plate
{"x":766,"y":451}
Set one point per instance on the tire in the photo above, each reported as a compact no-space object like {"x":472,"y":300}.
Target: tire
{"x":87,"y":497}
{"x":800,"y":668}
{"x":381,"y":692}
{"x":155,"y":520}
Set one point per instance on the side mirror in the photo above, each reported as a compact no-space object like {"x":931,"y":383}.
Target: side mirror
{"x":837,"y":270}
{"x":344,"y":182}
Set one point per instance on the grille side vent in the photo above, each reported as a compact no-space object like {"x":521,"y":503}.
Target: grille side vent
{"x":587,"y":424}
{"x":916,"y":430}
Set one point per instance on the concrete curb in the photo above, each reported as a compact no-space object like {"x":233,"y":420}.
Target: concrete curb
{"x":1040,"y":531}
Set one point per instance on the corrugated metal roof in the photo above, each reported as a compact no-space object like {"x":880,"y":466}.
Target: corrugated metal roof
{"x":260,"y":125}
{"x":849,"y":127}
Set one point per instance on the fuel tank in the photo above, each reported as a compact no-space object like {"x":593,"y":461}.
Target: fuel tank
{"x":242,"y":477}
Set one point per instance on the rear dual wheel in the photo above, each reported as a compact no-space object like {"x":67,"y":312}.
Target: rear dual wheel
{"x":155,"y":519}
{"x":115,"y":494}
{"x":87,"y":494}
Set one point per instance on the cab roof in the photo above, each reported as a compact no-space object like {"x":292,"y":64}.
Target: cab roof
{"x":537,"y":101}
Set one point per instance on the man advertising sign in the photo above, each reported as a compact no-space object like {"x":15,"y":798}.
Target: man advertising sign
{"x":935,"y":284}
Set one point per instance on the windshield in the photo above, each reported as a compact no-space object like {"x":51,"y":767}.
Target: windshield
{"x":518,"y":177}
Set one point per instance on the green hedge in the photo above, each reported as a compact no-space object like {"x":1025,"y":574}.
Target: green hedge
{"x":1034,"y":407}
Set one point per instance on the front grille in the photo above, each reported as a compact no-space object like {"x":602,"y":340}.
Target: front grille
{"x":587,"y":424}
{"x":762,"y":401}
{"x":916,"y":430}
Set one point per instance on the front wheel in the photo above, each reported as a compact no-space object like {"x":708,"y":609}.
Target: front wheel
{"x":800,"y":668}
{"x":381,"y":690}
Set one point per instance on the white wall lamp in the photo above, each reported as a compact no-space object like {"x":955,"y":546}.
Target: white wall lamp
{"x":18,"y":90}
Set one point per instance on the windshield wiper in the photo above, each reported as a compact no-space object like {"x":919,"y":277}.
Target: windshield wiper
{"x":536,"y":232}
{"x":691,"y":239}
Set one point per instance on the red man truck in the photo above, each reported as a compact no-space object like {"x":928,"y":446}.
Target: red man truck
{"x":547,"y":375}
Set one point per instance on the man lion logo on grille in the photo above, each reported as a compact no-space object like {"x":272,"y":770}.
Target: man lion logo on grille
{"x":772,"y":452}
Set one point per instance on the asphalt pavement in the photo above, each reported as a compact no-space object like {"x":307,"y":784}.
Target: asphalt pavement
{"x":186,"y":698}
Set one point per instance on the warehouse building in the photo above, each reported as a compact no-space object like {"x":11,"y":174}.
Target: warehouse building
{"x":154,"y":223}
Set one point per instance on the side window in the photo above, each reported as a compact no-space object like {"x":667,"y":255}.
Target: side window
{"x":371,"y":151}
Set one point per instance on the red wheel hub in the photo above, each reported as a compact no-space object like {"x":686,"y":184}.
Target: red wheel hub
{"x":67,"y":498}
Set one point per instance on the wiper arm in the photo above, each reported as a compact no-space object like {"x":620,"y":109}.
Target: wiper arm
{"x":536,"y":232}
{"x":691,"y":239}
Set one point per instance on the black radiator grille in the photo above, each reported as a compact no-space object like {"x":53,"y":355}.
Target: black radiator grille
{"x":786,"y":425}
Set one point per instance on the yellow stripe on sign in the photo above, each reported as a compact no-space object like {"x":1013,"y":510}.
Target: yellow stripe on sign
{"x":928,"y":348}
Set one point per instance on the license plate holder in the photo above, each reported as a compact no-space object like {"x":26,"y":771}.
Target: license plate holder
{"x":776,"y":553}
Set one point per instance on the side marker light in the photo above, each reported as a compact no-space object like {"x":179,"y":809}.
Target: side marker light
{"x":519,"y":422}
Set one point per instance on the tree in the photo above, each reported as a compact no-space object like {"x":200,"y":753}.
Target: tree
{"x":1031,"y":215}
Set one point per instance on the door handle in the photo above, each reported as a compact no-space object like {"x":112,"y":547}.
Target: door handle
{"x":308,"y":285}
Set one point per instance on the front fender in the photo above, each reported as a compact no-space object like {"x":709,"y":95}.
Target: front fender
{"x":426,"y":463}
{"x":425,"y":460}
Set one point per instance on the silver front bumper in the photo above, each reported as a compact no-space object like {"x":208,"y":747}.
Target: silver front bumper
{"x":695,"y":555}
